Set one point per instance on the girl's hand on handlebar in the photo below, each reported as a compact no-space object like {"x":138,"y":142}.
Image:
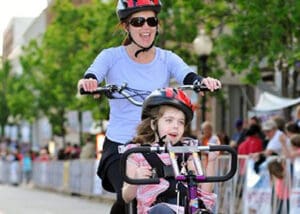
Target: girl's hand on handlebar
{"x":212,"y":156}
{"x":143,"y":172}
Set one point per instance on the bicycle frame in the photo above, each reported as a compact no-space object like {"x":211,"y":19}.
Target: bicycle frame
{"x":190,"y":178}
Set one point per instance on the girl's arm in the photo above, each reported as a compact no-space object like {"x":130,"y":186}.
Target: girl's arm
{"x":133,"y":170}
{"x":210,"y":164}
{"x":210,"y":170}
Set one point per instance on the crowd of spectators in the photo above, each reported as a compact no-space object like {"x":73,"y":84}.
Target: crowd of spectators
{"x":274,"y":144}
{"x":22,"y":156}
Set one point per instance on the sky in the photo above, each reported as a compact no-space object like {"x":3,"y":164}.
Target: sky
{"x":18,"y":8}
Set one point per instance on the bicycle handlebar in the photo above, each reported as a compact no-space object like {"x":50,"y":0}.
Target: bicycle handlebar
{"x":108,"y":91}
{"x":180,"y":149}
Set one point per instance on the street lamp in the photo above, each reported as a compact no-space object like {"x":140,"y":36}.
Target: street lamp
{"x":203,"y":46}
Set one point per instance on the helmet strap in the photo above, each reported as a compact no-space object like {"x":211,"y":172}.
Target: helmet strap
{"x":154,"y":127}
{"x":161,"y":141}
{"x":143,"y":49}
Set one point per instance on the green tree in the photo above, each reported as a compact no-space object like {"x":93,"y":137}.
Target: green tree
{"x":72,"y":40}
{"x":260,"y":31}
{"x":4,"y":110}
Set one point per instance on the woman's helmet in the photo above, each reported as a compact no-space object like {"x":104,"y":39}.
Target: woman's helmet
{"x":169,"y":96}
{"x":127,"y":7}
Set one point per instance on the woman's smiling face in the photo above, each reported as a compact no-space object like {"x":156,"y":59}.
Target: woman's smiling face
{"x":145,"y":34}
{"x":171,"y":124}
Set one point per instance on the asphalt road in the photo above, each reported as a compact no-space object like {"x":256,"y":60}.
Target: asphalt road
{"x":28,"y":200}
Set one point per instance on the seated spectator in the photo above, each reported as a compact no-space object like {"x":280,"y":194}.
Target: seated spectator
{"x":277,"y":170}
{"x":238,"y":131}
{"x":273,"y":134}
{"x":293,"y":150}
{"x":280,"y":122}
{"x":61,"y":154}
{"x":88,"y":150}
{"x":67,"y":151}
{"x":252,"y":143}
{"x":75,"y":152}
{"x":208,"y":137}
{"x":43,"y":155}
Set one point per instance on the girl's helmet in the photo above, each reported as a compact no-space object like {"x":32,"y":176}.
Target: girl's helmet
{"x":127,"y":7}
{"x":169,"y":96}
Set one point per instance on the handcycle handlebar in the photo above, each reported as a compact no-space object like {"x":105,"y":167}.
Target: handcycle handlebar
{"x":180,"y":149}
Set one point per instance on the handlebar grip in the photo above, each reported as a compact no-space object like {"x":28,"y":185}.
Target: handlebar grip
{"x":200,"y":87}
{"x":124,"y":157}
{"x":233,"y":167}
{"x":197,"y":87}
{"x":83,"y":92}
{"x":204,"y":88}
{"x":99,"y":90}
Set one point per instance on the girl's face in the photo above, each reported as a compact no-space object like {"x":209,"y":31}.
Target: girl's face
{"x":171,"y":124}
{"x":144,"y":34}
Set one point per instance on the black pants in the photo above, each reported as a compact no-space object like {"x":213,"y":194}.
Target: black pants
{"x":113,"y":173}
{"x":109,"y":172}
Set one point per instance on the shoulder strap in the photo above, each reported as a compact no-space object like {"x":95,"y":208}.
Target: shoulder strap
{"x":155,"y":162}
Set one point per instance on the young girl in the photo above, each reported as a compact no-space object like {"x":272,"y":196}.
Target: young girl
{"x":165,"y":114}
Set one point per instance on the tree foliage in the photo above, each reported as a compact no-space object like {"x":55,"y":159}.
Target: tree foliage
{"x":72,"y":40}
{"x":4,"y":109}
{"x":244,"y":34}
{"x":260,"y":29}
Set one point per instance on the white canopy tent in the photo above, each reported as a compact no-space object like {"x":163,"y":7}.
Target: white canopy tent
{"x":270,"y":102}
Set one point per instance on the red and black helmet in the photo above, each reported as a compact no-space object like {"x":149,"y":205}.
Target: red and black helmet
{"x":172,"y":97}
{"x":127,"y":7}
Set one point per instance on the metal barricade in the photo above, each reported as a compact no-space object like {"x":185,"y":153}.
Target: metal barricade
{"x":247,"y":192}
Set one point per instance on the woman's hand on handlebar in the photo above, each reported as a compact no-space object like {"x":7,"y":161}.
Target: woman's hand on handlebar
{"x":211,"y":83}
{"x":89,"y":85}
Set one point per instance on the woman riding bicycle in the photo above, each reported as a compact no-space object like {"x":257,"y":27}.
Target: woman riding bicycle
{"x":165,"y":114}
{"x":142,"y":66}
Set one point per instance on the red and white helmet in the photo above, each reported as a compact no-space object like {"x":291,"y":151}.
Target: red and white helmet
{"x":169,"y":96}
{"x":127,"y":7}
